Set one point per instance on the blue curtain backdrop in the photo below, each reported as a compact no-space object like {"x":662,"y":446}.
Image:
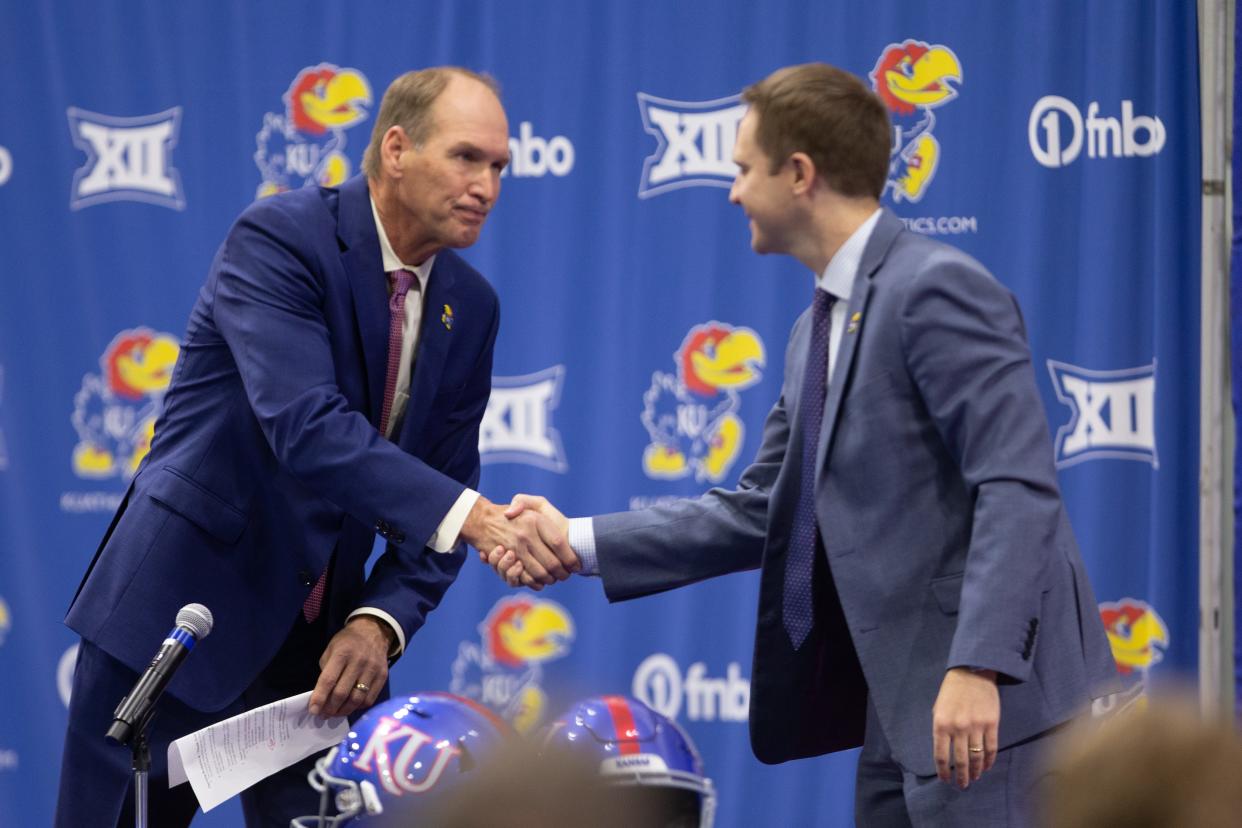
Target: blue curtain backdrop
{"x":1058,"y":142}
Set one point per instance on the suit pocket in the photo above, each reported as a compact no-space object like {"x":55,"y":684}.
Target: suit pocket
{"x":948,"y":592}
{"x":206,"y":510}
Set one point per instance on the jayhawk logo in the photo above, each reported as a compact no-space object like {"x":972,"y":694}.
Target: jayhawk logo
{"x":692,"y":417}
{"x":1136,"y":634}
{"x":1138,"y":638}
{"x":305,"y":145}
{"x":912,"y":79}
{"x":504,"y":671}
{"x":114,"y":412}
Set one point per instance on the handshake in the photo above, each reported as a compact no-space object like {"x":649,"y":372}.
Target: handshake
{"x":526,"y":542}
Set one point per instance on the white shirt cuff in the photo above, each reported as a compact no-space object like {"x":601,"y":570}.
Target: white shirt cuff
{"x":398,"y":644}
{"x":445,"y":538}
{"x":582,"y":539}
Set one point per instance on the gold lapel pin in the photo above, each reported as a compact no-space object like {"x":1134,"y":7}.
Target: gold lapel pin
{"x":447,"y":317}
{"x":855,"y":320}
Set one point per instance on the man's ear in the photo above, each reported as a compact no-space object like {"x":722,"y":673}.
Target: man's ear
{"x":394,"y":142}
{"x":804,"y":172}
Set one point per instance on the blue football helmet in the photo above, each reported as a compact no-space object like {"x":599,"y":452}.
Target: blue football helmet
{"x":401,"y":757}
{"x":631,"y":744}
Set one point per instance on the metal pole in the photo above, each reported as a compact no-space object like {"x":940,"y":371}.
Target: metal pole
{"x":1215,"y":520}
{"x":142,"y":768}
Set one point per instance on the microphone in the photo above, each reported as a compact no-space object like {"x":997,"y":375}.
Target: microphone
{"x":193,"y":622}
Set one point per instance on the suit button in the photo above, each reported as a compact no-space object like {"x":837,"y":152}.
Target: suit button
{"x":304,"y":578}
{"x":397,"y":537}
{"x":382,"y":528}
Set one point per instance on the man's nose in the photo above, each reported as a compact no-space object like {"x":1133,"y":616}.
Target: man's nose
{"x":486,"y":187}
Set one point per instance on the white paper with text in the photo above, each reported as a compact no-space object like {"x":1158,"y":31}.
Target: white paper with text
{"x":223,"y":760}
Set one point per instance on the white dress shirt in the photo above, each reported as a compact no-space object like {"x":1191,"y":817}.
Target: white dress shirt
{"x":445,"y":537}
{"x":837,"y":279}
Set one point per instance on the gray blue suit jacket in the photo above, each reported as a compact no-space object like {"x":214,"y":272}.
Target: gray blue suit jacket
{"x":946,"y":540}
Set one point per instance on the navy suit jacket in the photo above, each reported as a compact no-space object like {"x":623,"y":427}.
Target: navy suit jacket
{"x":267,"y":458}
{"x":946,"y":540}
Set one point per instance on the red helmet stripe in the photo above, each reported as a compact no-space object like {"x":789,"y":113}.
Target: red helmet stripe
{"x":623,"y":722}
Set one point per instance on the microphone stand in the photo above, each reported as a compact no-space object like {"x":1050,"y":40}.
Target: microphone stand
{"x":141,"y":752}
{"x":142,"y":766}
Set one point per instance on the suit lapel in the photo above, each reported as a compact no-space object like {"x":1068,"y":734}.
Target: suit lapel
{"x":434,"y":338}
{"x":882,"y":237}
{"x":365,"y":269}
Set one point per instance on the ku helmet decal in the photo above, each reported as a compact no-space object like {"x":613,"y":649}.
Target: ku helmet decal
{"x":402,"y":757}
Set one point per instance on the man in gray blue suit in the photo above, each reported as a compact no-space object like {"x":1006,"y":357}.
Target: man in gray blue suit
{"x":922,"y":594}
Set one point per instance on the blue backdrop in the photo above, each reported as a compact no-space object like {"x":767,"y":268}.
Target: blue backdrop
{"x":1058,"y":142}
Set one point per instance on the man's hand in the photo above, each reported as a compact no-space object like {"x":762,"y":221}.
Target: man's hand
{"x":965,"y":722}
{"x":514,"y":568}
{"x":356,"y":658}
{"x":537,"y":541}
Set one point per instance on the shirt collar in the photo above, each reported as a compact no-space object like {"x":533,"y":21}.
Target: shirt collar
{"x":838,"y":276}
{"x":391,"y":260}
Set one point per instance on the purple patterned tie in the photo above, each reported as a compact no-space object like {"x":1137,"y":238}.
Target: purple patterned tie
{"x":797,"y":611}
{"x":401,"y":281}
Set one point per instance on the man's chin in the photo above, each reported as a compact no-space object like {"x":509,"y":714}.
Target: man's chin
{"x":465,"y":238}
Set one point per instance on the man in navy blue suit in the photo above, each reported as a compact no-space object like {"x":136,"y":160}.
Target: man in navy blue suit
{"x":921,"y":593}
{"x":330,"y":387}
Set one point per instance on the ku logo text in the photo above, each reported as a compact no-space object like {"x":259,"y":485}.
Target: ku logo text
{"x":399,"y":750}
{"x":128,"y":159}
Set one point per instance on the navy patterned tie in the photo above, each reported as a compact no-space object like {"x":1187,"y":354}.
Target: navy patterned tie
{"x":796,"y":608}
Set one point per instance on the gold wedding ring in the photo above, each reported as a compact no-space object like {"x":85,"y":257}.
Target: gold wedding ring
{"x":975,"y":750}
{"x":364,"y":688}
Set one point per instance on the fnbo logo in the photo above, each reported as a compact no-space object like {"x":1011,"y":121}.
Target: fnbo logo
{"x":1056,"y":131}
{"x":535,"y":157}
{"x":659,"y":683}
